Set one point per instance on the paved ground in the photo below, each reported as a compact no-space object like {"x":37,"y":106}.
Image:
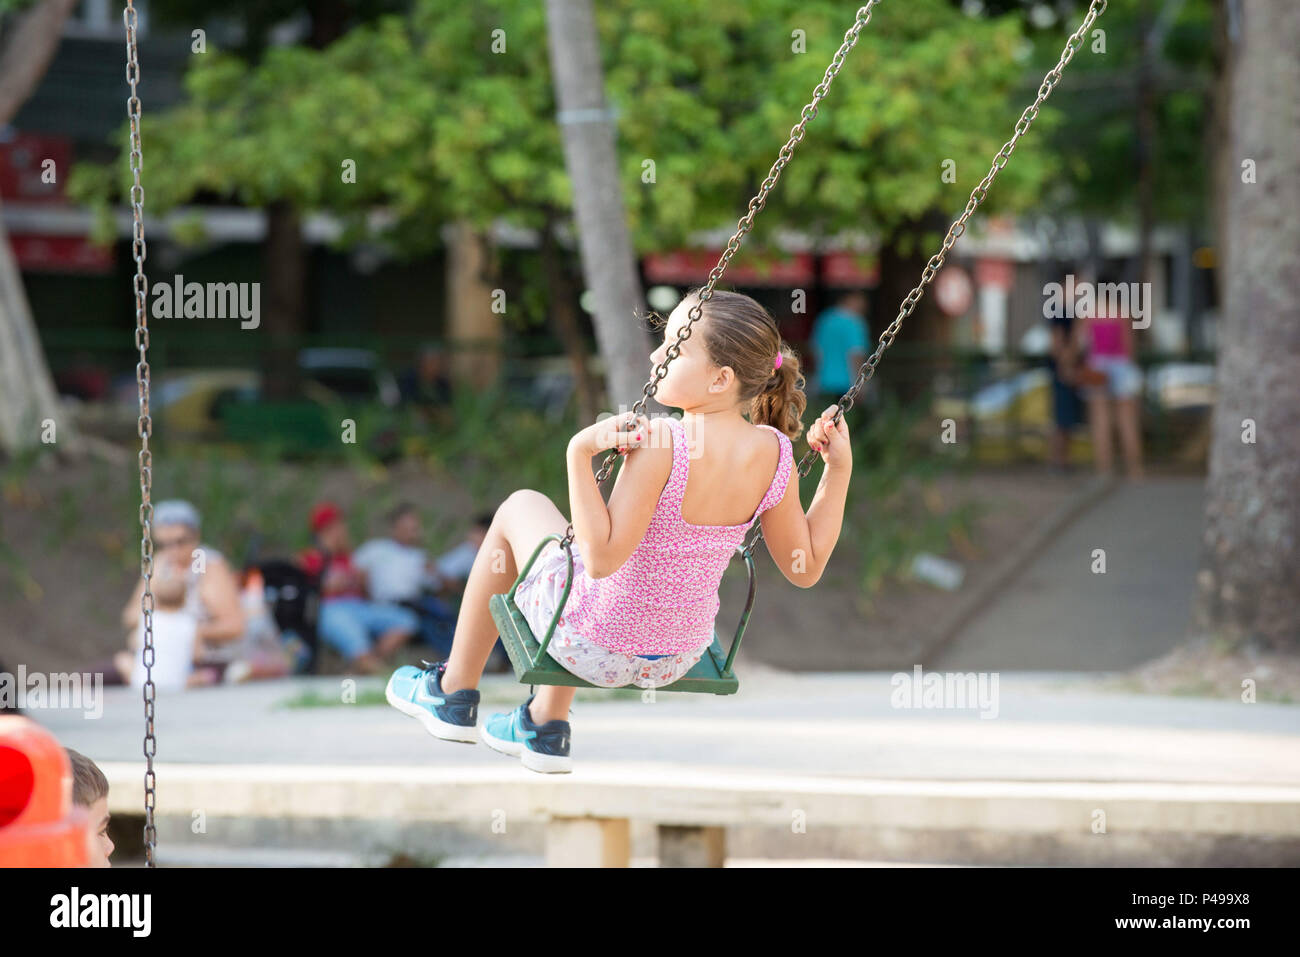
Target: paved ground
{"x":1047,"y":727}
{"x":1059,"y":615}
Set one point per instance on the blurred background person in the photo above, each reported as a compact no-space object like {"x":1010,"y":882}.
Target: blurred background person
{"x":1113,"y":396}
{"x":363,"y":631}
{"x":1064,"y":359}
{"x":840,"y":344}
{"x":399,"y":571}
{"x":453,"y":566}
{"x":426,"y":386}
{"x":196,"y":604}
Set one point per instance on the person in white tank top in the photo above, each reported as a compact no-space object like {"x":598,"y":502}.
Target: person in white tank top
{"x":175,"y":631}
{"x":196,"y":601}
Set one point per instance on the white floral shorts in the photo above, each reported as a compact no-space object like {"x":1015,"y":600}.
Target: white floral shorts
{"x":537,"y":598}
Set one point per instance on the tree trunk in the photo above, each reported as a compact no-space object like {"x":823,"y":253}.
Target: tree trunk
{"x":329,"y":18}
{"x":1249,"y":583}
{"x":564,"y":315}
{"x":902,"y":260}
{"x":28,"y":51}
{"x":589,"y":154}
{"x":1145,"y":159}
{"x":286,"y":276}
{"x":27,"y":395}
{"x":285,"y":252}
{"x":473,"y":328}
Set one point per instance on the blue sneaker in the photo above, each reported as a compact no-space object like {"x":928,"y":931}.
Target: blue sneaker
{"x":540,"y":747}
{"x":452,"y":717}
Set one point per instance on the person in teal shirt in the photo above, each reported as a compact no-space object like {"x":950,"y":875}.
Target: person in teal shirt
{"x":840,"y":338}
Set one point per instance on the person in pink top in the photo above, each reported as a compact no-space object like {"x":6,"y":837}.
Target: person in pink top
{"x":647,"y":564}
{"x":1106,"y":338}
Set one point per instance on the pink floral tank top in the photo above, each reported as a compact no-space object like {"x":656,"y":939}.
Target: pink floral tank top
{"x":664,"y":599}
{"x":1107,"y":336}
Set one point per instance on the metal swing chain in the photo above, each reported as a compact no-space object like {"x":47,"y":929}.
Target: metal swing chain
{"x":746,"y":223}
{"x":144,"y":428}
{"x":868,"y":368}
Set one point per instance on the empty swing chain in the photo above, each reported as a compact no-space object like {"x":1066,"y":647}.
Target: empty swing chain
{"x":746,"y":223}
{"x":868,"y":368}
{"x":144,"y":428}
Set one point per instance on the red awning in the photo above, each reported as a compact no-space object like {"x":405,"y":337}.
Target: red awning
{"x":684,"y":266}
{"x":60,"y":254}
{"x":850,"y":269}
{"x":694,"y":265}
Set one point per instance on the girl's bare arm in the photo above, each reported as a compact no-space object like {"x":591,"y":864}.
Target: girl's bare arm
{"x":799,"y":543}
{"x":607,"y":535}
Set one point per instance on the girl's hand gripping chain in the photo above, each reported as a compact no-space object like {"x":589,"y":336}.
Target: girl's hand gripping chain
{"x":621,"y":432}
{"x":832,"y":443}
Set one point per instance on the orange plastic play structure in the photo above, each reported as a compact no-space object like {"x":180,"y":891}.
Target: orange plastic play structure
{"x":39,"y":827}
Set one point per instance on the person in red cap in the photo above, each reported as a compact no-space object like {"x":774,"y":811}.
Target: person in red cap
{"x":363,"y":631}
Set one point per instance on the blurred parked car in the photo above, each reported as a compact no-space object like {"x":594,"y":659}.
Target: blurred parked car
{"x":1175,"y":386}
{"x":1010,"y":417}
{"x":1004,"y":420}
{"x":217,"y":404}
{"x":352,"y":374}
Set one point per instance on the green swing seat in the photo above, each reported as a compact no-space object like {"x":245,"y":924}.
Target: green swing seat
{"x":712,"y":674}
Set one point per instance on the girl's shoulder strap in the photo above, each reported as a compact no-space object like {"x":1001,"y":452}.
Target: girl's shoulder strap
{"x":675,"y":489}
{"x":784,"y":468}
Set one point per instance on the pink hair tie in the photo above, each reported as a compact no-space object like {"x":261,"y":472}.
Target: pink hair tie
{"x":778,"y":362}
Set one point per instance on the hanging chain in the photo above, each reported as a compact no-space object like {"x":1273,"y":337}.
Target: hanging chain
{"x":868,"y":368}
{"x":746,"y":223}
{"x":144,"y":427}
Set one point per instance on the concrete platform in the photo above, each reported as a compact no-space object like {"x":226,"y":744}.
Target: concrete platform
{"x":689,"y":796}
{"x":798,"y":767}
{"x":587,"y":815}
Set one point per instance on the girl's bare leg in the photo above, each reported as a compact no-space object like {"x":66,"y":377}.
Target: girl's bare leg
{"x":1058,"y":447}
{"x":1099,"y":421}
{"x":521,"y":521}
{"x":1130,"y":436}
{"x":552,"y":702}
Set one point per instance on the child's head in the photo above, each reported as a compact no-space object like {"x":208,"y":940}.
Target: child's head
{"x":731,"y":357}
{"x":90,"y":793}
{"x":854,"y":300}
{"x":404,"y":520}
{"x":329,"y":528}
{"x":168,"y":588}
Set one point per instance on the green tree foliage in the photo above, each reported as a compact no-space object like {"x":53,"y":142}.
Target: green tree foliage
{"x":285,"y":128}
{"x":926,"y":84}
{"x":1098,"y":145}
{"x":441,"y":126}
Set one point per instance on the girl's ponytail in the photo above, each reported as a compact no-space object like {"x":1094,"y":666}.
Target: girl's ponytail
{"x":782,"y":402}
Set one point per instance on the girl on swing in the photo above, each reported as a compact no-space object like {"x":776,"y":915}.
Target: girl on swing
{"x":646,"y":566}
